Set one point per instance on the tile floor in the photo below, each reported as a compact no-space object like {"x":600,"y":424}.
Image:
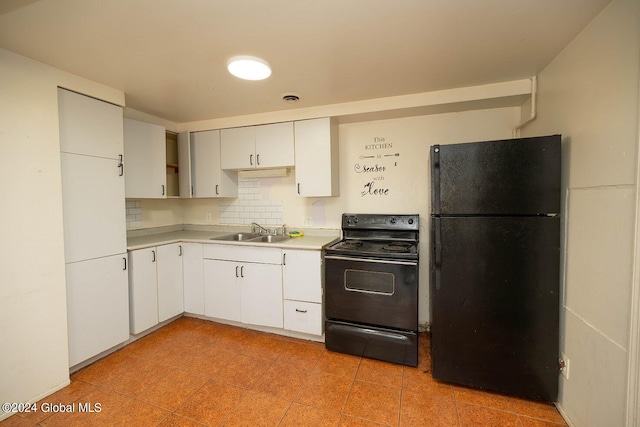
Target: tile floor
{"x":194,"y":373}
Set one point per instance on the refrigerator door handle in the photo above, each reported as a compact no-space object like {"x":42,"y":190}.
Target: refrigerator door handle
{"x":435,"y":180}
{"x":437,"y":254}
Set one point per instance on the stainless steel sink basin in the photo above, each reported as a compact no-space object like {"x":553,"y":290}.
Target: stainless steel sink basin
{"x":237,"y":237}
{"x":251,"y":237}
{"x":271,"y":239}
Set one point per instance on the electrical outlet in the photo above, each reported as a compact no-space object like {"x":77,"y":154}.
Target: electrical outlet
{"x":565,"y":363}
{"x":307,"y":221}
{"x":209,"y":217}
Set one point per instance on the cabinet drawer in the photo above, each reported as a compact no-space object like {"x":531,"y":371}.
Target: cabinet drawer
{"x":303,"y":317}
{"x":243,"y":254}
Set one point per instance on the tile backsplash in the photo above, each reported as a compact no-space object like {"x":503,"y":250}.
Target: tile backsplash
{"x":134,"y":214}
{"x":250,"y":207}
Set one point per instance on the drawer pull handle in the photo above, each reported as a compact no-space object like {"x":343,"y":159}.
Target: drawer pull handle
{"x":300,"y":311}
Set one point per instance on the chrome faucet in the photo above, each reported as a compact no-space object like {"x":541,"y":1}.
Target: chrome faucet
{"x":260,"y":228}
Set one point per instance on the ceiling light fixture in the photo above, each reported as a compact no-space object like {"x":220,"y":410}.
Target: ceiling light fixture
{"x":249,"y":68}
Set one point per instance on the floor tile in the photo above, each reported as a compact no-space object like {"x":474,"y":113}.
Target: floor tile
{"x":417,"y":381}
{"x":418,"y":410}
{"x":282,"y":380}
{"x":534,"y":422}
{"x":302,"y":354}
{"x":263,"y":346}
{"x":480,"y":416}
{"x":171,"y":391}
{"x":542,"y":411}
{"x":374,"y":402}
{"x":307,"y":416}
{"x":243,"y":371}
{"x":383,"y":373}
{"x":338,"y":364}
{"x":325,"y":391}
{"x":211,"y":403}
{"x":482,"y":398}
{"x":136,"y":413}
{"x":208,"y":362}
{"x":347,"y":421}
{"x":104,"y":370}
{"x":137,"y":377}
{"x":257,"y":409}
{"x":177,"y":421}
{"x":18,"y":421}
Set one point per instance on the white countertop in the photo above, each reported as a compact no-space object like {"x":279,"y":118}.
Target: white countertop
{"x":317,"y":240}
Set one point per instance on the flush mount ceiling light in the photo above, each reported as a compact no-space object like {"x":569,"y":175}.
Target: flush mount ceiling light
{"x":249,"y":68}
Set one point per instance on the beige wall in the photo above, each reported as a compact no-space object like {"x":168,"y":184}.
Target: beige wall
{"x":589,"y":93}
{"x":33,"y":322}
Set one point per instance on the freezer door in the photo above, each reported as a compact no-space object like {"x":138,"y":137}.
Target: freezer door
{"x":494,"y":303}
{"x":512,"y":177}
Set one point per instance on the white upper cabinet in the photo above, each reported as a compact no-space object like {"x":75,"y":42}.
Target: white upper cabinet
{"x":316,"y":157}
{"x":146,"y":158}
{"x":252,"y":147}
{"x":184,"y":164}
{"x":207,"y":178}
{"x":89,"y":127}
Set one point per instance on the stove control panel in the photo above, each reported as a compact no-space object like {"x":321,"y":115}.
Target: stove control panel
{"x":380,"y":221}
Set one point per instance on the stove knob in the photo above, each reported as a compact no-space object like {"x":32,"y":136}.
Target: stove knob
{"x":393,"y":220}
{"x":410,"y":221}
{"x":355,"y":219}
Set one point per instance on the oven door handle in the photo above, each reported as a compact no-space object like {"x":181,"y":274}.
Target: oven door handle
{"x":376,"y":261}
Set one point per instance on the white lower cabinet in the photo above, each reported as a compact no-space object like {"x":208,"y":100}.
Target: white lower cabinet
{"x":302,"y":284}
{"x":243,"y":284}
{"x":192,"y":265}
{"x":155,"y":285}
{"x":261,"y":294}
{"x":222,"y":295}
{"x":97,"y":305}
{"x":170,"y":281}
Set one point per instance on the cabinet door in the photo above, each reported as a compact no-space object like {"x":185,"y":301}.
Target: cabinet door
{"x":316,"y":154}
{"x":237,"y":148}
{"x":302,"y":275}
{"x":205,"y":163}
{"x":184,"y":164}
{"x":262,"y":294}
{"x":192,"y":264}
{"x":145,"y":152}
{"x":143,"y":289}
{"x":222,"y":290}
{"x":93,"y":207}
{"x":208,"y":180}
{"x":274,"y":145}
{"x":89,"y":126}
{"x":97,"y":306}
{"x":170,"y":281}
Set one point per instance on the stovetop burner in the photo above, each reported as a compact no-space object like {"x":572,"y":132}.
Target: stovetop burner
{"x":397,"y":247}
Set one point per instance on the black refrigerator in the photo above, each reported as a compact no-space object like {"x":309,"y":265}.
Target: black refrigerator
{"x":495,"y":265}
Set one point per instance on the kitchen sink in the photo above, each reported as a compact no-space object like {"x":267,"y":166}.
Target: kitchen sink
{"x":251,"y":237}
{"x":237,"y":237}
{"x":271,"y":239}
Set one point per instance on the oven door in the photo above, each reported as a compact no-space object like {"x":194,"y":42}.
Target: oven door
{"x":372,"y":291}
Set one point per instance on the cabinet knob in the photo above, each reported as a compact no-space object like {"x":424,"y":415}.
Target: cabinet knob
{"x":300,"y":311}
{"x":251,"y":159}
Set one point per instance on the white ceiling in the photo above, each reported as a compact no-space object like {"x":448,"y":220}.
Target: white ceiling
{"x":169,"y":56}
